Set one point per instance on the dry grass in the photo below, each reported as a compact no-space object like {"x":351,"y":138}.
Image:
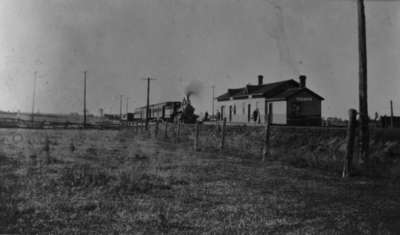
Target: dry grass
{"x":115,"y":182}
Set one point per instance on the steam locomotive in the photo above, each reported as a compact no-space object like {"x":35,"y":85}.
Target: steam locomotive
{"x":186,"y":111}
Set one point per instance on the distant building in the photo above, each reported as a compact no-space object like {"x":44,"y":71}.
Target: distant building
{"x":386,"y":121}
{"x":336,"y":122}
{"x":112,"y":116}
{"x":292,"y":103}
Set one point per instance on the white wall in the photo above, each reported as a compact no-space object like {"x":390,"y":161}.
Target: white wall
{"x":279,"y":112}
{"x":241,"y":115}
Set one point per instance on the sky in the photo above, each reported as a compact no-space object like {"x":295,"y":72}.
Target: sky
{"x":226,"y":43}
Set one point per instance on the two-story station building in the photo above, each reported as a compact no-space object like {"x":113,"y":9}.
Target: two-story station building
{"x":292,"y":103}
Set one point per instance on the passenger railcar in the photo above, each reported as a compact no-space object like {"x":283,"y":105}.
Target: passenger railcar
{"x":165,"y":111}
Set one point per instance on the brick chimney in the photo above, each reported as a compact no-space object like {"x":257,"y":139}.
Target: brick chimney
{"x":260,"y":80}
{"x":302,"y":80}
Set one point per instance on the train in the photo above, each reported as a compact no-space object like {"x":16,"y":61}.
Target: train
{"x":171,"y":111}
{"x":165,"y":111}
{"x":186,"y":112}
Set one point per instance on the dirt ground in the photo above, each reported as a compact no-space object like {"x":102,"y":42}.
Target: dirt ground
{"x":102,"y":182}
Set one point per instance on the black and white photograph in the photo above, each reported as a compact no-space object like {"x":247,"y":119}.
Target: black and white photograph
{"x":199,"y":117}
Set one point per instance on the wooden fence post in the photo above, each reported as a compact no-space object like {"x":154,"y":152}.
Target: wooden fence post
{"x":166,"y":130}
{"x":196,"y":136}
{"x":267,"y":151}
{"x":156,"y":128}
{"x":351,"y":131}
{"x":47,"y":149}
{"x":221,"y":147}
{"x":135,"y":126}
{"x":178,"y":131}
{"x":175,"y":128}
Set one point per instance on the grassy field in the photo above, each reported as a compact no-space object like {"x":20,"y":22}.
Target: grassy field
{"x":70,"y":181}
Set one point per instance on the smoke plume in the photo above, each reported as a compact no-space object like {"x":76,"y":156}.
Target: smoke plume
{"x":194,"y":88}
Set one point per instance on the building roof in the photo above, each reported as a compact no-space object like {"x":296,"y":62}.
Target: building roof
{"x":276,"y":90}
{"x":293,"y":91}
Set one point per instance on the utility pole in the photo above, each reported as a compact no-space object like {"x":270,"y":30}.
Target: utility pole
{"x":391,"y":115}
{"x":213,"y":98}
{"x":120,"y":107}
{"x":148,"y":101}
{"x":84,"y":99}
{"x":33,"y":97}
{"x":363,"y":95}
{"x":127,"y":101}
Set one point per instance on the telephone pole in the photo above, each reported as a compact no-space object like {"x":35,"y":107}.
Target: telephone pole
{"x":391,"y":115}
{"x":363,"y":95}
{"x":127,"y":101}
{"x":120,"y":106}
{"x":148,"y":101}
{"x":33,"y":97}
{"x":213,"y":98}
{"x":84,"y":99}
